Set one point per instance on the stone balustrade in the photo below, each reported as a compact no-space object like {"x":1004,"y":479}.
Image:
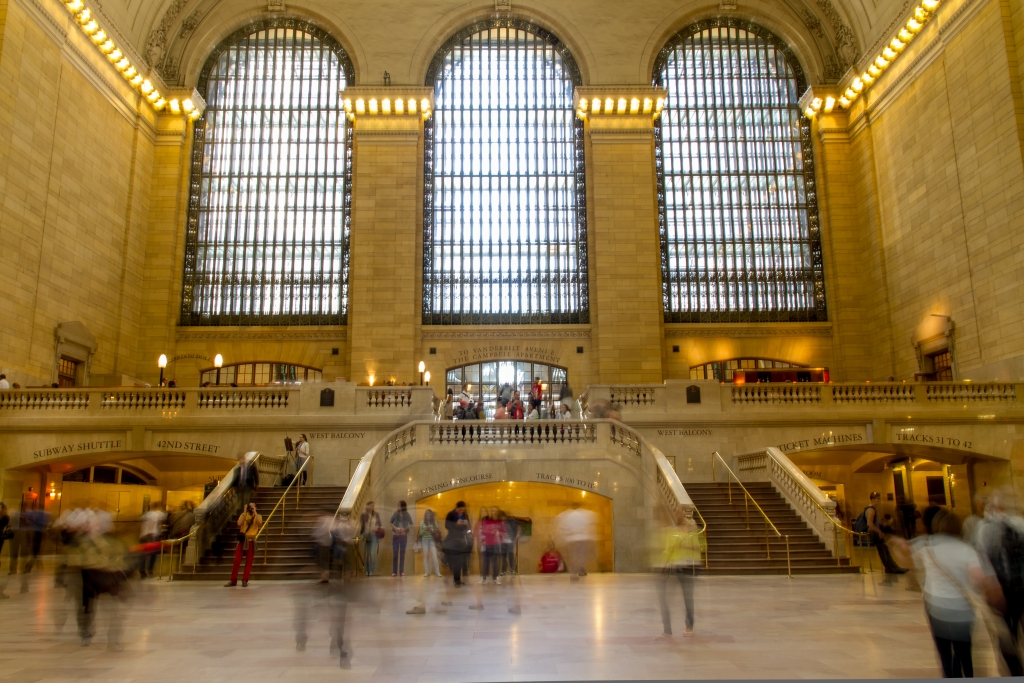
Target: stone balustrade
{"x":672,"y":397}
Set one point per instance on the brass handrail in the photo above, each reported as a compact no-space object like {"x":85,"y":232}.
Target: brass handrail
{"x":180,"y":541}
{"x":280,"y":504}
{"x":747,"y":496}
{"x":836,"y":526}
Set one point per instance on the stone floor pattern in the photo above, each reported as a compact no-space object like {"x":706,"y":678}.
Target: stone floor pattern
{"x":599,"y":628}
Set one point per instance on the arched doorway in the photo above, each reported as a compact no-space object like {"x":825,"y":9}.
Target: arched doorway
{"x":484,"y":381}
{"x":538,"y":502}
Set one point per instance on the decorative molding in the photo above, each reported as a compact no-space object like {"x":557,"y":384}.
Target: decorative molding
{"x":741,"y":330}
{"x":505,"y":334}
{"x":621,"y":135}
{"x":846,"y":42}
{"x":387,"y":137}
{"x":268,"y":335}
{"x":60,"y":35}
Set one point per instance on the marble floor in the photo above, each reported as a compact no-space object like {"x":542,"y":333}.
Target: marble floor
{"x":600,"y":628}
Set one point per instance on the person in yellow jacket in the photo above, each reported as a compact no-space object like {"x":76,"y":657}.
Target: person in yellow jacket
{"x":676,"y":555}
{"x":249,"y":523}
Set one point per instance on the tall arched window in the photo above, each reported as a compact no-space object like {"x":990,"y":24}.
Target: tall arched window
{"x":268,"y":219}
{"x":738,"y":213}
{"x":504,"y":219}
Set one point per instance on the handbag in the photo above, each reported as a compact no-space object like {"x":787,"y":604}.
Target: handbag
{"x":241,"y":534}
{"x":378,"y":532}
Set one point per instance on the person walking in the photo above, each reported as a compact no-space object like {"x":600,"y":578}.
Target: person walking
{"x":952,"y":571}
{"x":868,"y":522}
{"x":577,"y":528}
{"x":371,"y":531}
{"x":249,"y":523}
{"x":492,"y":535}
{"x":401,"y":521}
{"x":508,"y":544}
{"x":247,"y":480}
{"x":6,"y":534}
{"x":999,"y":538}
{"x":676,"y":557}
{"x":430,"y":537}
{"x":458,"y":543}
{"x":150,"y":531}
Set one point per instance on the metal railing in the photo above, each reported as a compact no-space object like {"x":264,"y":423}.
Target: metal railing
{"x":282,"y":505}
{"x":747,"y":499}
{"x":851,"y":538}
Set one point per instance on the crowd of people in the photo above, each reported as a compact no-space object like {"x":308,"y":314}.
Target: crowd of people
{"x":509,"y":405}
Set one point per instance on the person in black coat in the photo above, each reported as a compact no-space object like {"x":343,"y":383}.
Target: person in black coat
{"x":459,"y":541}
{"x":247,"y":480}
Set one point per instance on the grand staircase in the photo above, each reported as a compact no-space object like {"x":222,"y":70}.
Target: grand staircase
{"x":735,"y":549}
{"x":289,"y":555}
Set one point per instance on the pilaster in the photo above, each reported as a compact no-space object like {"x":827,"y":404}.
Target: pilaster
{"x":624,"y":247}
{"x":385,"y":241}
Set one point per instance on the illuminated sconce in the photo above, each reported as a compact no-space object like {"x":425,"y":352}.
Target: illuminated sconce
{"x":634,"y":106}
{"x":423,"y":366}
{"x":889,"y":54}
{"x":929,"y":5}
{"x":360,"y":106}
{"x":161,"y":363}
{"x":874,"y":71}
{"x":175,"y":106}
{"x":609,"y":105}
{"x":621,"y":109}
{"x":830,"y":104}
{"x":399,"y":106}
{"x":99,"y":37}
{"x":426,"y":377}
{"x":385,"y":106}
{"x":857,"y":85}
{"x":867,"y":78}
{"x":373,"y":105}
{"x":218,"y":361}
{"x":906,"y":36}
{"x":595,"y":106}
{"x":897,"y":45}
{"x":371,"y":380}
{"x":412,"y":105}
{"x":648,"y":105}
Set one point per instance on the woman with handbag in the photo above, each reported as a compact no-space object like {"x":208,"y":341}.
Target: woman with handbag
{"x":430,"y":537}
{"x":371,"y":531}
{"x":249,"y":523}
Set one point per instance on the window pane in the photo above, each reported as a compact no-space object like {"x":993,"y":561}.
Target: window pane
{"x":738,"y":216}
{"x":268,"y":223}
{"x":504,"y":197}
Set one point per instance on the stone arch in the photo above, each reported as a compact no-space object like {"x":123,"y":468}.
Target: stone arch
{"x":544,"y":18}
{"x":190,"y":38}
{"x":815,"y":54}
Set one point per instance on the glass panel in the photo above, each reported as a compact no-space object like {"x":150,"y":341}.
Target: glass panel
{"x":262,"y":375}
{"x":504,"y":198}
{"x":737,"y":210}
{"x":268,"y":224}
{"x":104,"y":475}
{"x":524,"y":373}
{"x":489,"y":372}
{"x":472,"y":373}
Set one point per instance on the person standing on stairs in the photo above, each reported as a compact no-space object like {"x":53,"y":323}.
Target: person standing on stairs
{"x":301,"y":455}
{"x":249,"y":523}
{"x":371,"y":531}
{"x":401,"y":522}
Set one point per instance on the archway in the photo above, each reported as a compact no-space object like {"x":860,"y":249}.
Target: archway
{"x":538,"y":502}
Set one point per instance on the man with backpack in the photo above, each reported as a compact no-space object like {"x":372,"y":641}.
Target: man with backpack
{"x":1000,"y":539}
{"x":867,"y":522}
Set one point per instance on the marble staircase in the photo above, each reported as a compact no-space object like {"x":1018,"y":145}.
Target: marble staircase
{"x":288,"y":554}
{"x":736,"y":548}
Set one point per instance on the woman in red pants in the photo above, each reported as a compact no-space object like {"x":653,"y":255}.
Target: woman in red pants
{"x":249,"y":523}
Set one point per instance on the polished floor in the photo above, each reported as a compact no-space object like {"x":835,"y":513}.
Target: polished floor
{"x":602,"y":627}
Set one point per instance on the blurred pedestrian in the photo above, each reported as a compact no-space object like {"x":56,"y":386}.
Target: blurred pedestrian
{"x":371,"y":531}
{"x":6,"y":533}
{"x":676,"y":558}
{"x":323,"y":542}
{"x":151,"y":531}
{"x":999,"y":538}
{"x":868,"y":522}
{"x":430,"y":538}
{"x":247,"y":480}
{"x":952,"y":572}
{"x":508,"y":545}
{"x":492,"y":536}
{"x":577,"y":532}
{"x":249,"y":523}
{"x":458,"y":543}
{"x":401,"y":521}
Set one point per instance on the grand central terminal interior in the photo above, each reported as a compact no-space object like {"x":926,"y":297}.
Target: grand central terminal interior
{"x":511,"y":340}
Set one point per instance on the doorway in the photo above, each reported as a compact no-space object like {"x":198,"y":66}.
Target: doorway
{"x":541,"y":504}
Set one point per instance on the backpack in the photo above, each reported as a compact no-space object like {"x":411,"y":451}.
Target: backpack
{"x":1011,"y":573}
{"x":860,"y":525}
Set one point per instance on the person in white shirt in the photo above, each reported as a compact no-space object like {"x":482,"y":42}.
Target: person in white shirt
{"x":4,"y":384}
{"x":952,"y":570}
{"x":301,"y":453}
{"x":577,"y":532}
{"x":151,"y":530}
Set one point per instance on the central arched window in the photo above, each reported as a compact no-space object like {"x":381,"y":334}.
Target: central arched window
{"x":738,"y":213}
{"x":504,"y":216}
{"x":268,"y":221}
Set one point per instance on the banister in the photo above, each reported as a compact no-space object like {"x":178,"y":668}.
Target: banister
{"x":281,"y":503}
{"x":746,"y":493}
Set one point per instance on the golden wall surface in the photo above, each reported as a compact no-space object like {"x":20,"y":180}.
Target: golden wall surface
{"x":920,"y":189}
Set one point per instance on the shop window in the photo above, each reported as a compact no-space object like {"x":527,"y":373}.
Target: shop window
{"x":723,"y":370}
{"x":936,"y":490}
{"x":131,"y":478}
{"x":67,"y":372}
{"x":942,"y":367}
{"x":104,"y":475}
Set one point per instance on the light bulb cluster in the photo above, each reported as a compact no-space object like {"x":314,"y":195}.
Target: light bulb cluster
{"x":87,"y":22}
{"x":619,"y":105}
{"x":385,"y":106}
{"x":887,"y":56}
